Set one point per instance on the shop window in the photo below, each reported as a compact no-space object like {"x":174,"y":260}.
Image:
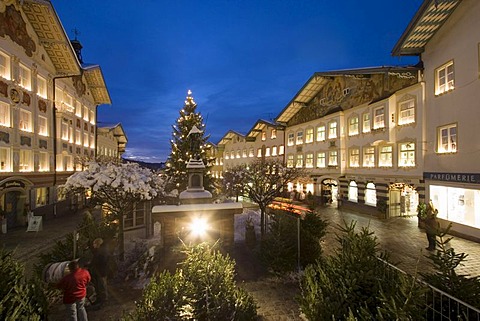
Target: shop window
{"x":370,"y":195}
{"x":369,"y":157}
{"x":299,"y":137}
{"x":386,"y":157}
{"x":379,"y":118}
{"x":353,"y":126}
{"x":299,"y":163}
{"x":333,"y":158}
{"x":4,"y":65}
{"x":309,"y":135}
{"x":407,"y":155}
{"x":353,"y":192}
{"x":289,"y":160}
{"x":354,"y":157}
{"x":407,"y":112}
{"x":41,"y":198}
{"x":5,"y":160}
{"x":321,"y":160}
{"x":447,"y":139}
{"x":444,"y":78}
{"x":25,"y":77}
{"x":291,"y":139}
{"x":366,"y":123}
{"x":309,"y":160}
{"x":332,"y":130}
{"x":320,"y":133}
{"x":4,"y":114}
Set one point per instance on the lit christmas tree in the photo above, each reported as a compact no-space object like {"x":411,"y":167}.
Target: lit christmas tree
{"x":185,"y":146}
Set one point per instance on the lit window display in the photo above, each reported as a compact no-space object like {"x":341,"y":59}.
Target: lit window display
{"x":370,"y":195}
{"x":459,"y":205}
{"x":353,"y":192}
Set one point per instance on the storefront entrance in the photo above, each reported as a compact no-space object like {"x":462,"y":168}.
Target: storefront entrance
{"x":13,"y":205}
{"x":403,"y":200}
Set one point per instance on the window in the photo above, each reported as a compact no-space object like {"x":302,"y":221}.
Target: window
{"x":244,"y":153}
{"x":92,"y":142}
{"x":332,"y":130}
{"x":353,"y":126}
{"x":274,"y":150}
{"x":444,"y":78}
{"x":43,"y":162}
{"x":221,"y":160}
{"x":379,"y":118}
{"x":353,"y":192}
{"x":78,"y":137}
{"x":25,"y":78}
{"x":65,"y":130}
{"x":366,"y":123}
{"x":299,"y":163}
{"x":309,"y":135}
{"x":264,"y":136}
{"x":320,"y":133}
{"x":370,"y":194}
{"x":354,"y":157}
{"x":135,"y":216}
{"x":333,"y":158}
{"x":4,"y":114}
{"x":289,"y":160}
{"x":291,"y":139}
{"x":85,"y":140}
{"x":67,"y":163}
{"x":4,"y":66}
{"x":42,"y":126}
{"x":273,"y":134}
{"x":407,"y":155}
{"x":41,"y":86}
{"x":309,"y":160}
{"x":58,"y":95}
{"x":68,"y":101}
{"x":78,"y":109}
{"x":369,"y":157}
{"x":321,"y":163}
{"x":386,"y":156}
{"x":299,"y":137}
{"x":92,"y":117}
{"x":251,"y":152}
{"x":5,"y":163}
{"x":41,"y":198}
{"x":267,"y":152}
{"x":25,"y":161}
{"x":447,"y":139}
{"x":407,"y":112}
{"x":259,"y":152}
{"x":86,"y":113}
{"x":25,"y":122}
{"x":281,"y":150}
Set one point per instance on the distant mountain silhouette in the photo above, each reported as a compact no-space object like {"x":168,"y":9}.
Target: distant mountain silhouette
{"x":152,"y":166}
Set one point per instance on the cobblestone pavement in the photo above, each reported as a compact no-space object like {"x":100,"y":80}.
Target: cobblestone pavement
{"x":275,"y":297}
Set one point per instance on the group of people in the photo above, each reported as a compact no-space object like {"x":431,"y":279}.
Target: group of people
{"x":74,"y":284}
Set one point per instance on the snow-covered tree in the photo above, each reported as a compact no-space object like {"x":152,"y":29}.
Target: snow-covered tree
{"x":265,"y":180}
{"x":116,"y":187}
{"x":185,"y":146}
{"x":233,"y":181}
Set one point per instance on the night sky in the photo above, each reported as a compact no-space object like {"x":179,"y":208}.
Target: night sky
{"x":242,"y":59}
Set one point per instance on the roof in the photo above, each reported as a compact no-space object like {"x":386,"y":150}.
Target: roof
{"x":117,"y":130}
{"x":260,"y":125}
{"x":431,"y":15}
{"x":228,"y":137}
{"x":49,"y":29}
{"x":316,"y":82}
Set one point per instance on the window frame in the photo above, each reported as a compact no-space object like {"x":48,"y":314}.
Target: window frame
{"x":353,"y":127}
{"x":299,"y":161}
{"x":291,"y":139}
{"x":324,"y":158}
{"x":309,"y":160}
{"x":7,"y":162}
{"x":404,"y":154}
{"x":25,"y":160}
{"x":7,"y":69}
{"x":24,"y":77}
{"x":452,"y":145}
{"x":411,"y":110}
{"x":382,"y":153}
{"x":43,"y":162}
{"x":42,"y":128}
{"x":366,"y":121}
{"x":442,"y":87}
{"x":368,"y":157}
{"x":332,"y":130}
{"x":299,"y":137}
{"x":309,"y":135}
{"x":5,"y":112}
{"x":25,"y":124}
{"x":379,"y":120}
{"x":333,"y":158}
{"x":354,"y":157}
{"x":42,"y":89}
{"x":321,"y":132}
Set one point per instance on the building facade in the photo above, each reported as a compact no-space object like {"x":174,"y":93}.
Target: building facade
{"x":48,"y":101}
{"x":450,"y":51}
{"x":111,"y":141}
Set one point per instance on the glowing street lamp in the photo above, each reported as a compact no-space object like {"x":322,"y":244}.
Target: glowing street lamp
{"x":199,"y":227}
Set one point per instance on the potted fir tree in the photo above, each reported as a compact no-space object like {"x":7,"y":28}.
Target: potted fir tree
{"x":421,"y":214}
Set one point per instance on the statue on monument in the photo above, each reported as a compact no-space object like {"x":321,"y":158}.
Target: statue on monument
{"x":195,"y":142}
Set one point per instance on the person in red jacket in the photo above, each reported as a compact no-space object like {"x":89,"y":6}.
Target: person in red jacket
{"x":74,"y":287}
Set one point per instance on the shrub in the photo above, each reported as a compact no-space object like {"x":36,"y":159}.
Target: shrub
{"x":203,"y":288}
{"x":356,"y":284}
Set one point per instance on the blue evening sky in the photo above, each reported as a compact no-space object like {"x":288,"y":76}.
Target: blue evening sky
{"x":242,"y":59}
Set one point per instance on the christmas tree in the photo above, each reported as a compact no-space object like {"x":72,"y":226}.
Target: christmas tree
{"x":185,"y":146}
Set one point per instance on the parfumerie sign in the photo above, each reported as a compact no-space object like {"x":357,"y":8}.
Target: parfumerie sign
{"x":454,"y":177}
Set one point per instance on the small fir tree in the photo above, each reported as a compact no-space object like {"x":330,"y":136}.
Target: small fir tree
{"x":185,"y":146}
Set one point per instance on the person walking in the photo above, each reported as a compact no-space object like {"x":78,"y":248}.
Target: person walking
{"x":431,"y":226}
{"x":99,"y":268}
{"x":74,"y":287}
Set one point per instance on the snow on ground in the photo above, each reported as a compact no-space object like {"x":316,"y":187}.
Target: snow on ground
{"x":240,"y":220}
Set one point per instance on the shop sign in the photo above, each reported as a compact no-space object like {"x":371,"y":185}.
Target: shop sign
{"x":12,"y":184}
{"x":453,"y":177}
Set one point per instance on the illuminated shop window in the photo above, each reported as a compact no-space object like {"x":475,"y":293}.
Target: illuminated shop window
{"x":370,"y":195}
{"x":353,"y":192}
